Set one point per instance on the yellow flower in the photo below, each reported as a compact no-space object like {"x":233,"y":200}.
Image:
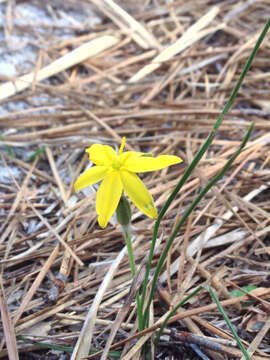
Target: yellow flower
{"x":117,"y":172}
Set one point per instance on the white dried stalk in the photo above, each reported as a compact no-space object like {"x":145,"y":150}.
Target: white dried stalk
{"x":193,"y":34}
{"x":83,"y":344}
{"x":74,"y":57}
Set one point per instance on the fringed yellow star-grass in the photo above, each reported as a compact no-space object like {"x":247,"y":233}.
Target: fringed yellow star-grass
{"x":118,"y":172}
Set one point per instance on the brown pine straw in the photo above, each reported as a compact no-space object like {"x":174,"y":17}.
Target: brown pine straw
{"x":158,"y":73}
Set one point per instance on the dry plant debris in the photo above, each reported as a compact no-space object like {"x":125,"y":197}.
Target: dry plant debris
{"x":76,"y":73}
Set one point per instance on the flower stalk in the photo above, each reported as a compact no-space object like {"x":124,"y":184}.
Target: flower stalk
{"x":127,"y":236}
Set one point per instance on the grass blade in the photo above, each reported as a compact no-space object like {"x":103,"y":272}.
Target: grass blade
{"x":8,"y":148}
{"x":174,"y":311}
{"x":185,"y":216}
{"x":238,"y":340}
{"x":199,"y":155}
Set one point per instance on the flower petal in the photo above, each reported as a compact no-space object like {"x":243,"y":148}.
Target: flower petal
{"x":146,"y":163}
{"x":138,"y":193}
{"x":101,"y":154}
{"x":129,"y":154}
{"x":90,"y":177}
{"x":108,"y":197}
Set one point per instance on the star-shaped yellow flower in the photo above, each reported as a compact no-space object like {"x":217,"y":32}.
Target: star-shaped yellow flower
{"x":118,"y":173}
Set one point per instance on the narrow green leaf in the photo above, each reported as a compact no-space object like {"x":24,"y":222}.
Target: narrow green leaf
{"x":236,"y":293}
{"x":36,"y":153}
{"x":8,"y":148}
{"x":186,"y":214}
{"x":231,"y":327}
{"x":197,"y":158}
{"x":68,"y":349}
{"x":174,"y":311}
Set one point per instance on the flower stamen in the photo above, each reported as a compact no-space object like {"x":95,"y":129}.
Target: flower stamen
{"x":122,"y":146}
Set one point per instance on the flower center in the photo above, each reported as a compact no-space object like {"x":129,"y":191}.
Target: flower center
{"x":116,"y":164}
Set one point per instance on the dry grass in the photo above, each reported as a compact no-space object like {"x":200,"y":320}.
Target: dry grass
{"x":158,"y":74}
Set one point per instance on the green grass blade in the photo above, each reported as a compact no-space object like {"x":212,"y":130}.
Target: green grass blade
{"x":185,"y":216}
{"x":238,"y":340}
{"x":201,"y":152}
{"x":174,"y":311}
{"x":68,"y":349}
{"x":8,"y":148}
{"x":36,"y":153}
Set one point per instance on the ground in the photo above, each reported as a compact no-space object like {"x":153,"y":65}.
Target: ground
{"x":76,"y":73}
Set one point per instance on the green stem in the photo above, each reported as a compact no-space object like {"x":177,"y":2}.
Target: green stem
{"x":127,"y":235}
{"x":130,"y":249}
